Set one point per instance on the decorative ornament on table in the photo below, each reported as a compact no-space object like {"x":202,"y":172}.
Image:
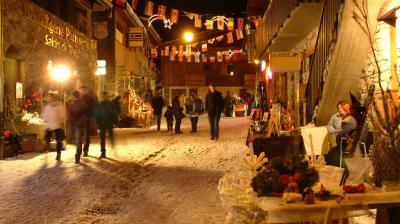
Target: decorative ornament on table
{"x":253,"y":162}
{"x":309,"y":196}
{"x":274,"y":178}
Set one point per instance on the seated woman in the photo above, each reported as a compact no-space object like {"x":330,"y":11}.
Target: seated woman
{"x":348,"y":125}
{"x":347,"y":130}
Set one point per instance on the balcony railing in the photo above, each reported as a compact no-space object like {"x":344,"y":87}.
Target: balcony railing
{"x":195,"y":80}
{"x":327,"y":34}
{"x":274,"y":18}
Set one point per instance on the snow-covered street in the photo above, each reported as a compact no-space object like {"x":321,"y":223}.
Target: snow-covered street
{"x":149,"y":177}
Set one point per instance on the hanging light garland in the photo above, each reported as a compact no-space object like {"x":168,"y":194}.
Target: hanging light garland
{"x":167,"y":22}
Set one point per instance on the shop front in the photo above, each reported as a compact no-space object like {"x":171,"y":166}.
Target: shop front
{"x":41,"y":53}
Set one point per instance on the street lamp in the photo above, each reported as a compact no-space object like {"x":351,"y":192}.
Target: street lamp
{"x":188,"y":37}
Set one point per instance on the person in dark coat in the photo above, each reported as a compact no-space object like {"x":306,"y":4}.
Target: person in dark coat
{"x":106,"y":116}
{"x":116,"y":102}
{"x":158,"y":103}
{"x":169,"y":116}
{"x":178,"y":114}
{"x":214,"y":107}
{"x":228,"y":105}
{"x":90,"y":102}
{"x":194,"y":111}
{"x":77,"y":109}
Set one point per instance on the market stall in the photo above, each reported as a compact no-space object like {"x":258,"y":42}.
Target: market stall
{"x":263,"y":190}
{"x":136,"y":111}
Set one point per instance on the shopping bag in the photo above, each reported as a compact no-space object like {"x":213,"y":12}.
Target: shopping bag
{"x":358,"y":167}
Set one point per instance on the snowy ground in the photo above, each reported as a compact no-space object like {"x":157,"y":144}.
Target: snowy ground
{"x":149,"y":177}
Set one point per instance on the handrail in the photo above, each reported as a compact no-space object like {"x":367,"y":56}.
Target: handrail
{"x":328,"y":29}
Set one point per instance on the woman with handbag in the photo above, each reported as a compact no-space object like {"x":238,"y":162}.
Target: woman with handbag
{"x":178,"y":114}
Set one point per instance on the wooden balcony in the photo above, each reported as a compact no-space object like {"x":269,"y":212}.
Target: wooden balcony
{"x":195,"y":80}
{"x":249,"y":80}
{"x":286,"y":23}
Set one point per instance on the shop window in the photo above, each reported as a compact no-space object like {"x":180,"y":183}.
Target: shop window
{"x":81,"y":19}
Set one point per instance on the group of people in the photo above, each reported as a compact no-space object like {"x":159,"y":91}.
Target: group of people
{"x":214,"y":105}
{"x":81,"y":107}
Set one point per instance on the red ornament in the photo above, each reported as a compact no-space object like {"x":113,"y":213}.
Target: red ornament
{"x":284,"y":180}
{"x":7,"y":134}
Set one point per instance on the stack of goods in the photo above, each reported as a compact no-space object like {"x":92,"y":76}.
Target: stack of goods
{"x":278,"y":177}
{"x":138,"y":110}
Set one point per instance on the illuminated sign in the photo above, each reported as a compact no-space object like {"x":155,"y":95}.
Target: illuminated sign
{"x":101,"y":67}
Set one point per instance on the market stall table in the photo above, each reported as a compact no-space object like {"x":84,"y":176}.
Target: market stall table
{"x":283,"y":146}
{"x":351,"y":205}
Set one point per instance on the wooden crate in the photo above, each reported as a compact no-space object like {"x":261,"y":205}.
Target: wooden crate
{"x":29,"y":143}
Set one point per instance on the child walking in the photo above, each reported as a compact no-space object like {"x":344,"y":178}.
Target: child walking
{"x":169,"y":117}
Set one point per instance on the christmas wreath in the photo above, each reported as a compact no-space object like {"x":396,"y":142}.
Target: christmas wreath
{"x":279,"y":176}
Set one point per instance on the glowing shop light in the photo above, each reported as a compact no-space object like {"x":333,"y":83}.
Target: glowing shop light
{"x":263,"y":65}
{"x":60,"y":73}
{"x":269,"y":72}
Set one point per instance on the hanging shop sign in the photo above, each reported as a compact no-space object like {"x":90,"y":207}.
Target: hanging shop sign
{"x":136,"y":37}
{"x":100,"y":30}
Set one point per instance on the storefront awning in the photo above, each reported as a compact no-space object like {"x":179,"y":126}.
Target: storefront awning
{"x":388,"y":10}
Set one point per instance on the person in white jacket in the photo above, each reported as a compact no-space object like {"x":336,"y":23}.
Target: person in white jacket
{"x":53,"y":115}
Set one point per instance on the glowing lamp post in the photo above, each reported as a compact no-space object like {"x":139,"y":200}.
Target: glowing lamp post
{"x":61,"y":73}
{"x":188,"y":37}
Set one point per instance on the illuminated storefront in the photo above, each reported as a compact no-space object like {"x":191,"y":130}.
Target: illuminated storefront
{"x":34,"y":43}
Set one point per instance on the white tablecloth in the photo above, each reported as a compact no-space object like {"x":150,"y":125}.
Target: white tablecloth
{"x":315,"y":140}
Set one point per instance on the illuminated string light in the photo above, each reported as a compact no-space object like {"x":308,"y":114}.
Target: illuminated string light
{"x":167,"y":22}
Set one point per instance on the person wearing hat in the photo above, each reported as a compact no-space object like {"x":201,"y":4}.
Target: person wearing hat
{"x":348,"y":124}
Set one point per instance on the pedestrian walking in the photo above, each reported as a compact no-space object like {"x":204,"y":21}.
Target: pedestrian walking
{"x":158,"y":103}
{"x":214,"y":107}
{"x":169,"y":116}
{"x":116,"y":102}
{"x":77,"y":109}
{"x":194,"y":111}
{"x":178,"y":114}
{"x":90,"y":102}
{"x":106,"y":115}
{"x":53,"y":115}
{"x":228,"y":104}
